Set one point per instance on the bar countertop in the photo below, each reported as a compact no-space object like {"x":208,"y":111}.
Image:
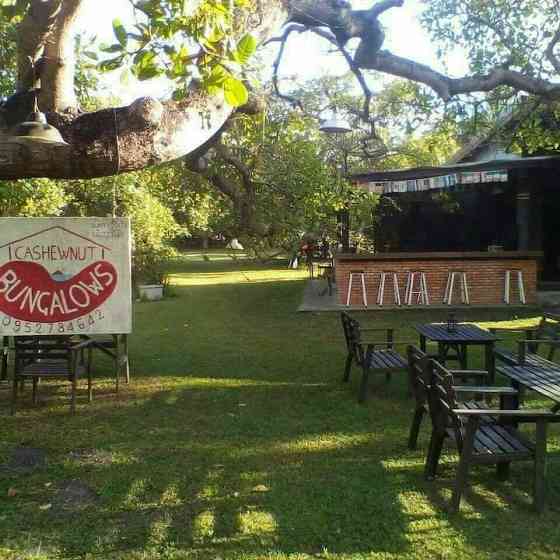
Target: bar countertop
{"x":441,"y":256}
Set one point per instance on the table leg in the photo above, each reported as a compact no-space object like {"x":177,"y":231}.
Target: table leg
{"x":462,"y":351}
{"x":511,"y":402}
{"x":490,"y":362}
{"x":442,"y":353}
{"x":127,"y":362}
{"x":4,"y":359}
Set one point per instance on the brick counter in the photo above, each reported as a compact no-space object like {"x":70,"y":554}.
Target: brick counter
{"x":485,"y":275}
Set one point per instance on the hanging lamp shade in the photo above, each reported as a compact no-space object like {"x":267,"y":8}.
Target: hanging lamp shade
{"x":335,"y":125}
{"x":35,"y":129}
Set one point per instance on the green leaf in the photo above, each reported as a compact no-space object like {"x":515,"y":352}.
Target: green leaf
{"x":148,"y":71}
{"x":235,"y":92}
{"x":217,"y":77}
{"x":120,"y":32}
{"x":144,"y":58}
{"x":110,"y":64}
{"x":112,"y":48}
{"x":245,"y":48}
{"x":179,"y":94}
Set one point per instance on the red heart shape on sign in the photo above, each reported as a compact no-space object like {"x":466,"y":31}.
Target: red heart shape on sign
{"x":29,"y":293}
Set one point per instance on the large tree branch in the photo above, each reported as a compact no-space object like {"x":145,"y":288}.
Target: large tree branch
{"x":294,"y":101}
{"x":346,"y":23}
{"x":118,"y":140}
{"x":235,"y":162}
{"x":377,"y":9}
{"x":447,"y":87}
{"x":552,"y":58}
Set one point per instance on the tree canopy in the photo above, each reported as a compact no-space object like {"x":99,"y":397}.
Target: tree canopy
{"x":204,"y":48}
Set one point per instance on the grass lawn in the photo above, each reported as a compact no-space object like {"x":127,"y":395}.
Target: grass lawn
{"x":236,"y":439}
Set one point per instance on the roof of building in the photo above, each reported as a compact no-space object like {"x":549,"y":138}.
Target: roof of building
{"x":505,"y":124}
{"x":425,"y":172}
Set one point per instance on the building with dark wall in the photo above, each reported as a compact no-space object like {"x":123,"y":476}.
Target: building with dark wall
{"x":482,"y":198}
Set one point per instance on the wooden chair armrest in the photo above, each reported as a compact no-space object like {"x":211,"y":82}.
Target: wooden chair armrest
{"x":519,"y":415}
{"x":485,"y":390}
{"x":523,"y":346}
{"x":468,"y":372}
{"x":526,"y":342}
{"x":385,"y":342}
{"x":521,"y":330}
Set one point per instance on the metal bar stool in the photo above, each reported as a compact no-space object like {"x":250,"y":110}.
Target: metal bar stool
{"x":462,"y":276}
{"x":520,"y":285}
{"x":381,"y":291}
{"x":418,"y":280}
{"x":362,"y":275}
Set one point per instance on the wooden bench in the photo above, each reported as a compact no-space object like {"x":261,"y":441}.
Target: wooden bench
{"x":546,"y":333}
{"x":366,"y":354}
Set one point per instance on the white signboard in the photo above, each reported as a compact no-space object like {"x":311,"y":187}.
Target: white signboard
{"x":65,"y":276}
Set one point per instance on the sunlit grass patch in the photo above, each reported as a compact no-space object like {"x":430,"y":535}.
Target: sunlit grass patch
{"x":203,"y":526}
{"x":257,"y":523}
{"x":237,"y":277}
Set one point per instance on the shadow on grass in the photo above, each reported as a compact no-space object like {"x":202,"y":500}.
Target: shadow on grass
{"x":248,"y":476}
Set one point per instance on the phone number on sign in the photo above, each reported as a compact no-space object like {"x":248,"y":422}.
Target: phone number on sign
{"x":82,"y":324}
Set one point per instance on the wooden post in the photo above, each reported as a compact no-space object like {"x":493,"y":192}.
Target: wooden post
{"x":523,"y":218}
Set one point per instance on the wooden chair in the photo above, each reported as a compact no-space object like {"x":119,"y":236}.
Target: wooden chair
{"x":366,"y":355}
{"x":483,"y":436}
{"x":48,"y":357}
{"x":419,"y":373}
{"x":546,"y":334}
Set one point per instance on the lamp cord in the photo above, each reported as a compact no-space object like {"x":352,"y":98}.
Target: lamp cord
{"x":118,"y":164}
{"x":34,"y":85}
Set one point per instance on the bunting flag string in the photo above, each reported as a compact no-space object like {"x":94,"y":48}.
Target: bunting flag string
{"x":436,"y":183}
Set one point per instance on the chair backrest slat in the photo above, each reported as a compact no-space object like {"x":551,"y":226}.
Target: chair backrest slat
{"x":442,"y":400}
{"x":418,"y":374}
{"x":352,"y":336}
{"x":31,"y":348}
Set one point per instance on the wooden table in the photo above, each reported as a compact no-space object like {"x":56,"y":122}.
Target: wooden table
{"x":465,"y":335}
{"x":116,"y":347}
{"x":544,"y":381}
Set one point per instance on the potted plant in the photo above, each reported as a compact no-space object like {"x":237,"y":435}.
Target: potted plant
{"x":150,"y":272}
